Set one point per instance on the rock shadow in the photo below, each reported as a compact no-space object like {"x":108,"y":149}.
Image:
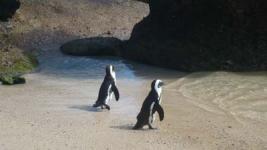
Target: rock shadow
{"x":95,"y":46}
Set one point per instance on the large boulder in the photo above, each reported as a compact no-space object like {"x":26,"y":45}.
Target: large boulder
{"x":8,"y":9}
{"x":193,"y":35}
{"x":202,"y":35}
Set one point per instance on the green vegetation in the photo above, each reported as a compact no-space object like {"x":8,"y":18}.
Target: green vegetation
{"x":13,"y":63}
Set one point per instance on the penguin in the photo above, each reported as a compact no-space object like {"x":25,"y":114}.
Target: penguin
{"x":150,"y":105}
{"x":108,"y":87}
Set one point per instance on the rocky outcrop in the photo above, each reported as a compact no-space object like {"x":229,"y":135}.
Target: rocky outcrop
{"x":13,"y":61}
{"x":8,"y":80}
{"x":202,"y":35}
{"x":8,"y":9}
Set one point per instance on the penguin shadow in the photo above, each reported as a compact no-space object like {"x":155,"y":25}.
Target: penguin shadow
{"x":86,"y":108}
{"x":123,"y":127}
{"x":129,"y":127}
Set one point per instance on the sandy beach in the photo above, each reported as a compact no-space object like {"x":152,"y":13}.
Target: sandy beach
{"x":203,"y":111}
{"x":53,"y":110}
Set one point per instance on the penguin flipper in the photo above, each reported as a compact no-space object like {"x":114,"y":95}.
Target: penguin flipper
{"x":116,"y":92}
{"x":160,"y":111}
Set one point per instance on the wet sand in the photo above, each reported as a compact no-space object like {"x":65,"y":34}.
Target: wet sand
{"x":52,"y":111}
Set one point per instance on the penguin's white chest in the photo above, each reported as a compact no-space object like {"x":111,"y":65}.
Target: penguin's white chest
{"x":113,"y":74}
{"x":160,"y":99}
{"x":151,"y":115}
{"x":109,"y":95}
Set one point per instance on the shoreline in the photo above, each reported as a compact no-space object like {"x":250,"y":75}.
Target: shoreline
{"x":53,"y":111}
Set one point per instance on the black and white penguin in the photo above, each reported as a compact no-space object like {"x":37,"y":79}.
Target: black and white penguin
{"x":108,"y":87}
{"x":151,"y":104}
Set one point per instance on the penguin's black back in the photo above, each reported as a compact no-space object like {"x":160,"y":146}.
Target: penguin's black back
{"x":103,"y":91}
{"x":143,"y":116}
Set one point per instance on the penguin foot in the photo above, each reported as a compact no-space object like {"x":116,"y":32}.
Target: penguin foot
{"x":108,"y":108}
{"x":150,"y":127}
{"x":137,"y":126}
{"x":95,"y":105}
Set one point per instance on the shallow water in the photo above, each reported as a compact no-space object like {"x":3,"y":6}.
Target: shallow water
{"x":64,"y":66}
{"x":243,"y":95}
{"x":133,"y":79}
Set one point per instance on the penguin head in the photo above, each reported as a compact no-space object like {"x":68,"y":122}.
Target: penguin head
{"x":110,"y":71}
{"x":157,"y":86}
